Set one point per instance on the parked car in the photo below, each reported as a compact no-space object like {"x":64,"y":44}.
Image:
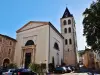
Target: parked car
{"x":72,"y":68}
{"x":8,"y":72}
{"x":60,"y":70}
{"x":68,"y":68}
{"x":3,"y":70}
{"x":23,"y":72}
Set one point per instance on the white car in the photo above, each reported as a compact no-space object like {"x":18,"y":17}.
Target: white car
{"x":9,"y":72}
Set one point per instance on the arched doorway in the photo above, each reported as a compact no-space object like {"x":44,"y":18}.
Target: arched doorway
{"x":28,"y":54}
{"x":6,"y":62}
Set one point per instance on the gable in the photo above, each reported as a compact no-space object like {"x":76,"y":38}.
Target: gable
{"x":31,"y":25}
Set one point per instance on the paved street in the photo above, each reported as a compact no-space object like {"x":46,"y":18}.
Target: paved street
{"x":74,"y":74}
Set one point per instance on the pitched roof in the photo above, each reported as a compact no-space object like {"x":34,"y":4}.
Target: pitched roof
{"x":44,"y":23}
{"x":8,"y":37}
{"x":55,"y":29}
{"x":67,"y":13}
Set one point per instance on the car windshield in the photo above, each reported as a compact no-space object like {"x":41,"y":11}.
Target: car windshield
{"x":59,"y":68}
{"x":5,"y":70}
{"x":18,"y":70}
{"x":12,"y":70}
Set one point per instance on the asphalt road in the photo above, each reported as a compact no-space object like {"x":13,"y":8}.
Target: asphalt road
{"x":75,"y":74}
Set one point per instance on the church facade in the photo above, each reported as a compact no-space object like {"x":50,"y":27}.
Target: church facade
{"x":40,"y":42}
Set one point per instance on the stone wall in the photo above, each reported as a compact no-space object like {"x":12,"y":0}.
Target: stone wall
{"x":7,"y":49}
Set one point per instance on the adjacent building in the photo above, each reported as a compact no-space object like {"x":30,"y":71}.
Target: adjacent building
{"x":97,"y":59}
{"x":88,"y":59}
{"x":7,"y":50}
{"x":80,"y":58}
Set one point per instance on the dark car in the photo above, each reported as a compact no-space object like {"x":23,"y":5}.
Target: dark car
{"x":3,"y":70}
{"x":23,"y":72}
{"x":60,"y":70}
{"x":69,"y":69}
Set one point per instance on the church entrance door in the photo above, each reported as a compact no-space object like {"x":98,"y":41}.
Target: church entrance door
{"x":27,"y":59}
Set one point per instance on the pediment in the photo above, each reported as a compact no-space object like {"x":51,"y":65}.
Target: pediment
{"x":31,"y":25}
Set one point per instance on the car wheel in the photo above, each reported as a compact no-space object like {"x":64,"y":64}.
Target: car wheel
{"x":62,"y":72}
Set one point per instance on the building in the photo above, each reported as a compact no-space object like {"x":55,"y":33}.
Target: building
{"x":80,"y":58}
{"x":88,"y":59}
{"x":40,"y":42}
{"x":7,"y":50}
{"x":68,"y":31}
{"x":97,"y":60}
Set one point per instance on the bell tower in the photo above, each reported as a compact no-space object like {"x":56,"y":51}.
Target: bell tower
{"x":68,"y":31}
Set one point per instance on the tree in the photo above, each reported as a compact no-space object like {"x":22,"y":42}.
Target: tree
{"x":91,"y":24}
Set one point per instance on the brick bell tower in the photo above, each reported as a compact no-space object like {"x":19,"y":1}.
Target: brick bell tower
{"x":68,"y":30}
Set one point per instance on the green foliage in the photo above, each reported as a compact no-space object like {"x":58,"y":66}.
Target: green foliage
{"x":12,"y":65}
{"x":81,"y":52}
{"x":43,"y":65}
{"x":53,"y":62}
{"x":35,"y":67}
{"x":91,"y":24}
{"x":51,"y":67}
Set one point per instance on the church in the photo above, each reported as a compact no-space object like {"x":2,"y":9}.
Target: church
{"x":40,"y":42}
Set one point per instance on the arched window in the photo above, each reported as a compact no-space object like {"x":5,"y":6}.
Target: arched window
{"x":65,"y":30}
{"x":29,"y":42}
{"x":69,"y":21}
{"x":66,"y":42}
{"x":69,"y":29}
{"x":9,"y":51}
{"x":64,"y":22}
{"x":10,"y":42}
{"x":56,"y":46}
{"x":70,"y":41}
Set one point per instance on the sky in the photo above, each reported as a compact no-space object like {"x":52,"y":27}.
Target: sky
{"x":16,"y":13}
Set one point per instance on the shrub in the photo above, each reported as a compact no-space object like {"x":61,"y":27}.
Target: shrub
{"x":35,"y":67}
{"x":12,"y":65}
